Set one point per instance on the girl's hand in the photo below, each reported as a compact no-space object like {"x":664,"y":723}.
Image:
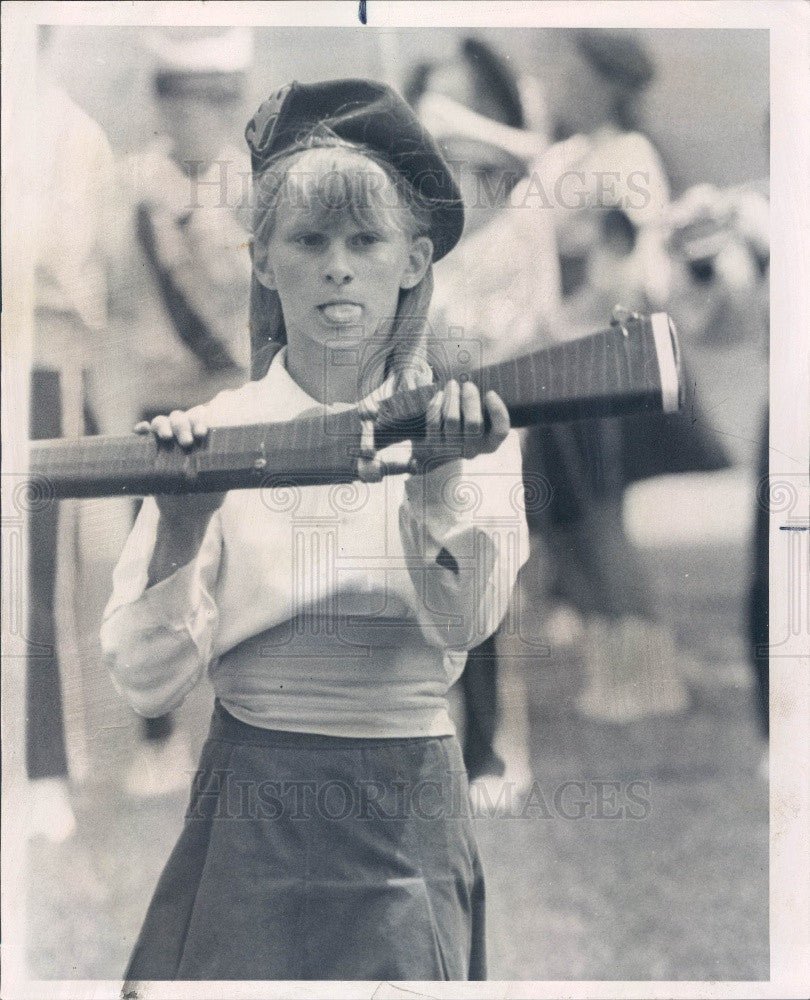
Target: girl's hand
{"x":454,"y":424}
{"x":188,"y":428}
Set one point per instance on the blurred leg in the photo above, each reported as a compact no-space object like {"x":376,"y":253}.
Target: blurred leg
{"x":479,"y":688}
{"x":163,"y":764}
{"x":156,"y":730}
{"x":51,"y":814}
{"x":512,"y":737}
{"x":758,"y":596}
{"x":46,"y":756}
{"x":159,"y":730}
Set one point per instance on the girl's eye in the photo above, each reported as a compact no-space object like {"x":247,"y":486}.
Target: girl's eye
{"x":367,"y":239}
{"x":311,"y":240}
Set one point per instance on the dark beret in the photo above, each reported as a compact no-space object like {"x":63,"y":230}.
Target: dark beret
{"x":369,"y":114}
{"x":616,"y":55}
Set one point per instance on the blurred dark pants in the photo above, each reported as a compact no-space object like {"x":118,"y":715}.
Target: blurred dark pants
{"x":758,"y":594}
{"x":593,"y":565}
{"x":479,"y":688}
{"x":156,"y":730}
{"x":45,"y":730}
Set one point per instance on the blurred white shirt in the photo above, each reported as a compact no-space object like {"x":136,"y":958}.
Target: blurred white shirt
{"x":76,"y":174}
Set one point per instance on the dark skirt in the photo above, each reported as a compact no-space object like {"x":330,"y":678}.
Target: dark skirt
{"x":318,"y":857}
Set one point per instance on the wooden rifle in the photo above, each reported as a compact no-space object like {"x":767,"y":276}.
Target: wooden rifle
{"x":631,"y":367}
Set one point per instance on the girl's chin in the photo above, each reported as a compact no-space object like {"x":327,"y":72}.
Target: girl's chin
{"x":335,"y":337}
{"x":342,"y":335}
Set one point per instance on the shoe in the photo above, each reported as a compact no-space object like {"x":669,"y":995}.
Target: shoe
{"x":499,"y":794}
{"x":50,"y":815}
{"x":161,"y":767}
{"x":564,"y":627}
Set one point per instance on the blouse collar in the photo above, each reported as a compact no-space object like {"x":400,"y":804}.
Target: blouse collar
{"x":290,"y":399}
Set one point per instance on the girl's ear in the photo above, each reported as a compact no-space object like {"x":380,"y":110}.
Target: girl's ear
{"x":262,"y":267}
{"x":419,"y":260}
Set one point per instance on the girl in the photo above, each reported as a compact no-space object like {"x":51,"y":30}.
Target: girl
{"x":328,"y":834}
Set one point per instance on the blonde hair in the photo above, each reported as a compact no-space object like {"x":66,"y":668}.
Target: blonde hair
{"x":340,"y":183}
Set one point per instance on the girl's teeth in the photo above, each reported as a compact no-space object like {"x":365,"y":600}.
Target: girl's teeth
{"x":343,"y":312}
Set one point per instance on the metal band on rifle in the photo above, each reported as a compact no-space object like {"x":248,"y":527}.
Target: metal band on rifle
{"x":371,"y":468}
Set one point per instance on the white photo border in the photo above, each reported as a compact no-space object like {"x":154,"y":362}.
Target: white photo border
{"x":789,"y":24}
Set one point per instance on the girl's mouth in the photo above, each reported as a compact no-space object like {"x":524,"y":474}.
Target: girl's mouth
{"x":341,"y":313}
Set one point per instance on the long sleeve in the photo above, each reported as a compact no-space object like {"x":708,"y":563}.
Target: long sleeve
{"x":157,"y":641}
{"x":464,"y":534}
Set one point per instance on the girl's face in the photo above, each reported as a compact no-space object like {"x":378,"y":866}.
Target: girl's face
{"x":340,"y":253}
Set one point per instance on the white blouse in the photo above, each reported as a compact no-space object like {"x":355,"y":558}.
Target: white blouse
{"x":345,"y":610}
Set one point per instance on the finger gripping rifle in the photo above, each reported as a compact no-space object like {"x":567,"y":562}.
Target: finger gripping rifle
{"x":631,"y":367}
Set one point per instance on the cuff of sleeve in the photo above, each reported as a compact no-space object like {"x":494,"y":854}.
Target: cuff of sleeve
{"x":439,"y":509}
{"x":437,"y":489}
{"x":176,"y":601}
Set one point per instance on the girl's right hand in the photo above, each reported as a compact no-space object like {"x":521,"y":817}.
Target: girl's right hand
{"x":188,"y":428}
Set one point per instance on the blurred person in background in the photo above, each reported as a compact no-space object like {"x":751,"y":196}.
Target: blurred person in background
{"x":497,"y":296}
{"x":75,"y":177}
{"x":720,"y":251}
{"x":610,"y":188}
{"x":181,"y":278}
{"x":610,"y":196}
{"x":753,"y":223}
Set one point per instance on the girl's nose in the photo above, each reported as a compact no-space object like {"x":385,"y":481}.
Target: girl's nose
{"x":338,"y":269}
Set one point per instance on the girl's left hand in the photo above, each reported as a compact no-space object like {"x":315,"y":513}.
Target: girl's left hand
{"x":455,"y":424}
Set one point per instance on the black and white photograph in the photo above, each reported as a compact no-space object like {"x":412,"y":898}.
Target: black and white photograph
{"x":405,"y":501}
